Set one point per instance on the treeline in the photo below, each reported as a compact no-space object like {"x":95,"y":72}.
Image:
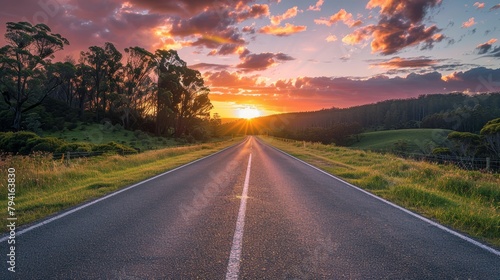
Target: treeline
{"x":454,"y":111}
{"x":154,"y":92}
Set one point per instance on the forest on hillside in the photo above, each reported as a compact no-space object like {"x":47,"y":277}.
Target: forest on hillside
{"x":139,"y":90}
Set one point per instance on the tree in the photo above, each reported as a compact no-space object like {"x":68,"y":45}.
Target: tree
{"x":65,"y":72}
{"x":105,"y":64}
{"x":23,"y":62}
{"x":169,"y":69}
{"x":491,"y":132}
{"x":194,"y":102}
{"x":136,"y":83}
{"x":466,"y":144}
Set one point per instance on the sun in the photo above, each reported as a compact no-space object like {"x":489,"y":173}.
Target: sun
{"x":248,"y":113}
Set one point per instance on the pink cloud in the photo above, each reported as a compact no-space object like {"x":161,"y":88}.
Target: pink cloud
{"x":469,"y":23}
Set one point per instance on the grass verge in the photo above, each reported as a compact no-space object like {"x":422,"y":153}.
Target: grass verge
{"x":468,"y":201}
{"x":45,"y":186}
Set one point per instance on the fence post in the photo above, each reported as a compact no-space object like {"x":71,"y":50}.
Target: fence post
{"x":68,"y":158}
{"x":488,"y":160}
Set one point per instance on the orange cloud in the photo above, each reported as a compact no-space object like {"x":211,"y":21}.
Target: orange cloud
{"x":316,"y":7}
{"x":359,"y":35}
{"x":286,"y":30}
{"x":341,"y":15}
{"x":469,"y":23}
{"x":290,"y":13}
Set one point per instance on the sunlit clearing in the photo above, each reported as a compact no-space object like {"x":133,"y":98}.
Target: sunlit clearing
{"x":248,"y":113}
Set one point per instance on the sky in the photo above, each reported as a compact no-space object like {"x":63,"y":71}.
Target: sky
{"x":279,"y":56}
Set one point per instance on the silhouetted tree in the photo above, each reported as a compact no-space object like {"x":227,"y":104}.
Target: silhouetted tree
{"x":23,"y":63}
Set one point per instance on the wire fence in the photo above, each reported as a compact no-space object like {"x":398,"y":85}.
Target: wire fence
{"x":468,"y":163}
{"x":70,"y":155}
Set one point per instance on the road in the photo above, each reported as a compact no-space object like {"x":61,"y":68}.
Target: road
{"x":248,"y":212}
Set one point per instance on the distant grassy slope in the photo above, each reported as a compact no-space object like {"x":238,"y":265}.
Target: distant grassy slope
{"x":417,"y":140}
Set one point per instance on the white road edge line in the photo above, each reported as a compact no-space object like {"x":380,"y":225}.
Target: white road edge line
{"x":66,"y":213}
{"x":457,"y":234}
{"x":233,"y":267}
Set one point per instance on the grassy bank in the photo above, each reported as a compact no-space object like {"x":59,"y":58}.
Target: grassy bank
{"x":468,"y":201}
{"x":407,"y":140}
{"x":45,"y":186}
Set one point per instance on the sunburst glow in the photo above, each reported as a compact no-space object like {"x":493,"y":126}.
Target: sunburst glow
{"x":248,"y":113}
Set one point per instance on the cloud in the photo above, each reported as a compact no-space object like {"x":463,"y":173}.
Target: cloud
{"x":341,"y":15}
{"x":316,"y":7}
{"x":469,"y":23}
{"x":398,"y":62}
{"x":479,"y":5}
{"x":209,"y":66}
{"x":331,"y":38}
{"x":314,"y":93}
{"x":253,"y":12}
{"x":227,"y":79}
{"x":485,"y":47}
{"x":497,"y":6}
{"x":188,"y":8}
{"x":286,"y":30}
{"x":290,"y":13}
{"x":325,"y":92}
{"x":262,"y":61}
{"x":400,"y":26}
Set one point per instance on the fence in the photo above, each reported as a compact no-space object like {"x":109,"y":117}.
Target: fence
{"x":70,"y":155}
{"x":468,"y":163}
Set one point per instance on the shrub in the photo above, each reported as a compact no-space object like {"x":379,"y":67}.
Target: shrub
{"x":441,"y":151}
{"x":75,"y":147}
{"x":16,"y":142}
{"x":114,"y":147}
{"x":47,"y":144}
{"x":72,"y":126}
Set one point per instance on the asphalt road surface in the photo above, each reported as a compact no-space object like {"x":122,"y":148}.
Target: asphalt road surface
{"x":248,"y":212}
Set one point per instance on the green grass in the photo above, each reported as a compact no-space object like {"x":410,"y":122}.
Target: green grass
{"x":414,"y":140}
{"x":45,"y":186}
{"x":468,"y":201}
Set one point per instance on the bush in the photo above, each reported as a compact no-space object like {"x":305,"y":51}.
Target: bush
{"x":75,"y":147}
{"x":16,"y":142}
{"x":71,"y":126}
{"x":200,"y":134}
{"x":114,"y":147}
{"x":441,"y":151}
{"x":47,"y":144}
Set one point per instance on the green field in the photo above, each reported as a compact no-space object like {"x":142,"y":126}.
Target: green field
{"x":403,"y":140}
